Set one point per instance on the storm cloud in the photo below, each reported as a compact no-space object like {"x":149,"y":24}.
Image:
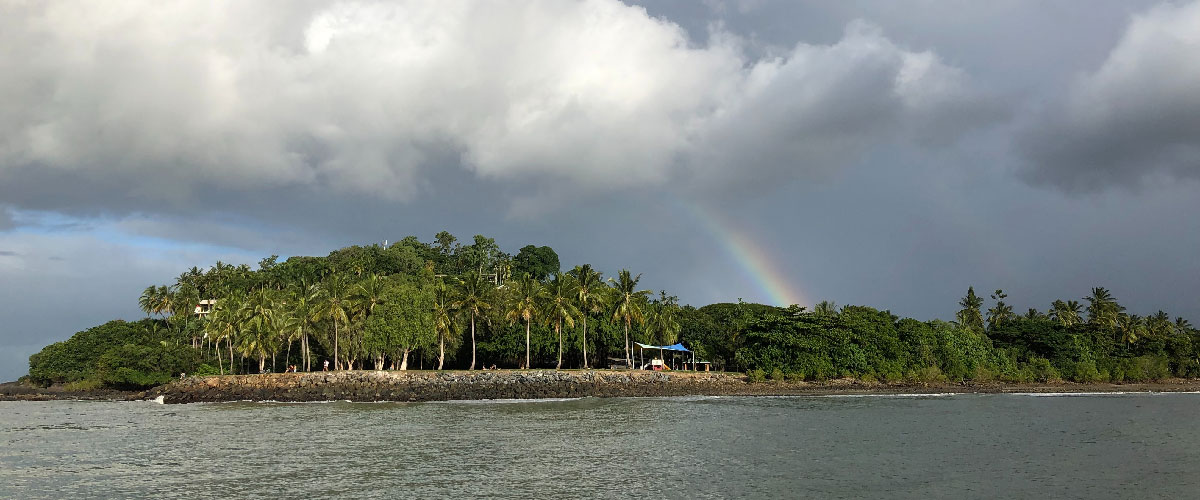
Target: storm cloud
{"x":160,"y":107}
{"x":1133,"y":120}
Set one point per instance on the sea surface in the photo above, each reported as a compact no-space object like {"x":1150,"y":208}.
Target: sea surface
{"x":943,"y":446}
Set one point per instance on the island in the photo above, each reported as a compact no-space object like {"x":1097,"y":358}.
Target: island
{"x":418,"y":321}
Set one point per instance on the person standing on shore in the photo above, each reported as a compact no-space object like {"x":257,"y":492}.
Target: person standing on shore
{"x":326,"y":365}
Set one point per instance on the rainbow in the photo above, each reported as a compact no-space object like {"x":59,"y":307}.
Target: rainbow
{"x":754,"y":261}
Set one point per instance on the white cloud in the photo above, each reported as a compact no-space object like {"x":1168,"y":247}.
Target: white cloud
{"x":174,"y":100}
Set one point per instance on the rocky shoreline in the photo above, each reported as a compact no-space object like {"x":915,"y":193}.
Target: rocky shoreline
{"x":529,"y":384}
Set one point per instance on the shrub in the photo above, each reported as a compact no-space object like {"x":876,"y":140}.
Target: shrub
{"x":1085,"y":371}
{"x":756,"y":375}
{"x":1043,"y":371}
{"x":205,"y":370}
{"x":777,"y":375}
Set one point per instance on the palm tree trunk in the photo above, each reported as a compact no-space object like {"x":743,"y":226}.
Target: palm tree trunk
{"x":585,"y":363}
{"x":628,"y":358}
{"x":472,"y":343}
{"x":220,"y":363}
{"x":229,"y":342}
{"x":262,"y":362}
{"x":336,"y":365}
{"x":527,"y":345}
{"x":404,"y":361}
{"x":558,"y":330}
{"x":441,"y":350}
{"x":287,"y":358}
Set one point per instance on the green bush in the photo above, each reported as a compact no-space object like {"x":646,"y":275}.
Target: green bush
{"x":205,"y":370}
{"x":1043,"y":371}
{"x":777,"y":375}
{"x":756,"y":375}
{"x":1086,"y":372}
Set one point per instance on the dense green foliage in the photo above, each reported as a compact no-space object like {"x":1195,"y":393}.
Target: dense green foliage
{"x":447,"y":305}
{"x":117,"y":354}
{"x":862,"y":342}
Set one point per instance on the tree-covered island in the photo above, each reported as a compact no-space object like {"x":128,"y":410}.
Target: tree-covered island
{"x":447,"y":305}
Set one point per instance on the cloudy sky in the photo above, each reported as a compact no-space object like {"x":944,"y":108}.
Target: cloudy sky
{"x":881,"y":153}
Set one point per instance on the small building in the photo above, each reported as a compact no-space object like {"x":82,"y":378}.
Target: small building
{"x":204,"y":308}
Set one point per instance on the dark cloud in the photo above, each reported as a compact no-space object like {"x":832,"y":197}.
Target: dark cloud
{"x":592,"y":96}
{"x":1134,"y":119}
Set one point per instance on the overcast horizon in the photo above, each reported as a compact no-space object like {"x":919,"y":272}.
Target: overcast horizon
{"x":888,"y":154}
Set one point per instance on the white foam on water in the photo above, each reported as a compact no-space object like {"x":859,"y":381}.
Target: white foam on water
{"x":1096,"y":393}
{"x":505,"y":401}
{"x":883,"y":395}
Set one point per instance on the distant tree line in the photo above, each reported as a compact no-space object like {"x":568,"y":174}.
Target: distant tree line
{"x":445,"y":305}
{"x":1091,"y":340}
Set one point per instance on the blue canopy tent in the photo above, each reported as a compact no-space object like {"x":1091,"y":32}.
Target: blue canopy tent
{"x":674,"y":347}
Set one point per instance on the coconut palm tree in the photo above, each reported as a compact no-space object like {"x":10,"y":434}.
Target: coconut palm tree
{"x":527,"y":296}
{"x":628,"y":305}
{"x":296,"y":308}
{"x":1132,"y":328}
{"x":1066,"y":313}
{"x":443,"y":317}
{"x":662,"y":324}
{"x":223,"y":324}
{"x":1103,"y":309}
{"x":1182,"y":326}
{"x":1001,"y":313}
{"x":591,"y":295}
{"x":969,"y":316}
{"x":1158,"y":325}
{"x":559,"y":307}
{"x":364,"y":296}
{"x":825,"y":308}
{"x":332,"y":304}
{"x":474,"y":300}
{"x":258,"y":327}
{"x":184,"y":300}
{"x":155,"y":300}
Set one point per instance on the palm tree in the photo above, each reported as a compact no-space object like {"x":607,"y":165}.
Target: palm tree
{"x":184,"y":299}
{"x":443,"y":317}
{"x":363,"y":298}
{"x":223,"y":324}
{"x":474,"y":301}
{"x":969,"y":316}
{"x":1132,"y":328}
{"x":1103,"y":309}
{"x":300,"y":307}
{"x":1182,"y":326}
{"x":527,"y":296}
{"x":592,"y":294}
{"x":560,"y":307}
{"x":663,"y":325}
{"x":258,"y":326}
{"x":825,"y":308}
{"x":332,"y":304}
{"x":1158,"y":325}
{"x":155,"y":300}
{"x":1066,"y":313}
{"x":628,"y":305}
{"x":146,"y":300}
{"x":1001,"y":313}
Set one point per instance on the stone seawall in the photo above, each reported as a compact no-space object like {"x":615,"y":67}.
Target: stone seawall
{"x":443,"y":386}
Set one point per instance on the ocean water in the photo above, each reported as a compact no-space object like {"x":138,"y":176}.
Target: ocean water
{"x":948,"y":446}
